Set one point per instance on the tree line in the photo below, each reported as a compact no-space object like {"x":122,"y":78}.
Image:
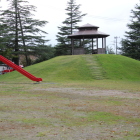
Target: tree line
{"x":131,"y":42}
{"x":21,"y":35}
{"x":22,"y":39}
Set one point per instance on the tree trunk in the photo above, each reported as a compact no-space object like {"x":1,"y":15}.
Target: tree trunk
{"x":23,"y":40}
{"x":16,"y":57}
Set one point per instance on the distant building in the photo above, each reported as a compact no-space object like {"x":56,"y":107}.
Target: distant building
{"x":3,"y":67}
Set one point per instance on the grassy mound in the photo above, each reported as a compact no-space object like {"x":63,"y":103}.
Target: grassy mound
{"x":119,"y":67}
{"x":81,"y":68}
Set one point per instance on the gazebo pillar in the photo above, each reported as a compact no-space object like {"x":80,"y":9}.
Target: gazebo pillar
{"x":80,"y":43}
{"x":72,"y":46}
{"x":92,"y":45}
{"x":83,"y":42}
{"x":97,"y":44}
{"x":105,"y":44}
{"x":102,"y":42}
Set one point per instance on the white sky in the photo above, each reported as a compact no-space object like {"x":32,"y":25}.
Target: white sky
{"x":111,"y":16}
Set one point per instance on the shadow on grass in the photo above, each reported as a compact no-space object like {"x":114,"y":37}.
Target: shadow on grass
{"x":4,"y":83}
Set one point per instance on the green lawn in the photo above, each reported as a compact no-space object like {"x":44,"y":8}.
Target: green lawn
{"x":71,"y":68}
{"x":119,"y":67}
{"x":70,"y":104}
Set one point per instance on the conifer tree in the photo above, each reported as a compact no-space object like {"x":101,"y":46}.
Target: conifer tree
{"x":131,"y":44}
{"x":21,"y":33}
{"x":69,"y":25}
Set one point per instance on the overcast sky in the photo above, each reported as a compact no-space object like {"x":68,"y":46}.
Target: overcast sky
{"x":111,"y":16}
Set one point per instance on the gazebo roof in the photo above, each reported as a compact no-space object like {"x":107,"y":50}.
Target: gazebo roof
{"x":88,"y":31}
{"x":88,"y":26}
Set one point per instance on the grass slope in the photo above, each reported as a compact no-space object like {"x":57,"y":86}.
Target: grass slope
{"x":119,"y":67}
{"x":77,"y":67}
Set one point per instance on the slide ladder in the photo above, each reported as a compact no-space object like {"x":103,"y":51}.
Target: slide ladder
{"x":19,"y":69}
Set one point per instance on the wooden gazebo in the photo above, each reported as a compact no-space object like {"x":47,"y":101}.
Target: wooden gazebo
{"x":88,"y":31}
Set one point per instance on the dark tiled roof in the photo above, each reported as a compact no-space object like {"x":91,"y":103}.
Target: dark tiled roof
{"x":88,"y":31}
{"x":88,"y":26}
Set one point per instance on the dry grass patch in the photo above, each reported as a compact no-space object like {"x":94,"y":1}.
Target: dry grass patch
{"x":39,"y":112}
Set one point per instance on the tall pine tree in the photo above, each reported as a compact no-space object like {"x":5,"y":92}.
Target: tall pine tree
{"x":131,"y":44}
{"x":21,"y":33}
{"x":69,"y":25}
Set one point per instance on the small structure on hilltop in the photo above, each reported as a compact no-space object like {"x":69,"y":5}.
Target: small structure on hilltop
{"x":88,"y":31}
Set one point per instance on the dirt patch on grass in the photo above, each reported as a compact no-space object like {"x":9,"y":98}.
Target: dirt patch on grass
{"x":57,"y":113}
{"x":94,"y":92}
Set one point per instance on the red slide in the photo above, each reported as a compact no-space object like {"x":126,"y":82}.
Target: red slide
{"x":19,"y":69}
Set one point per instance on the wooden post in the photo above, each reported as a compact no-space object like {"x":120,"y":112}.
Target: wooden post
{"x":80,"y":43}
{"x":105,"y":44}
{"x":92,"y":45}
{"x":97,"y":44}
{"x":83,"y":42}
{"x":72,"y":46}
{"x":102,"y":42}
